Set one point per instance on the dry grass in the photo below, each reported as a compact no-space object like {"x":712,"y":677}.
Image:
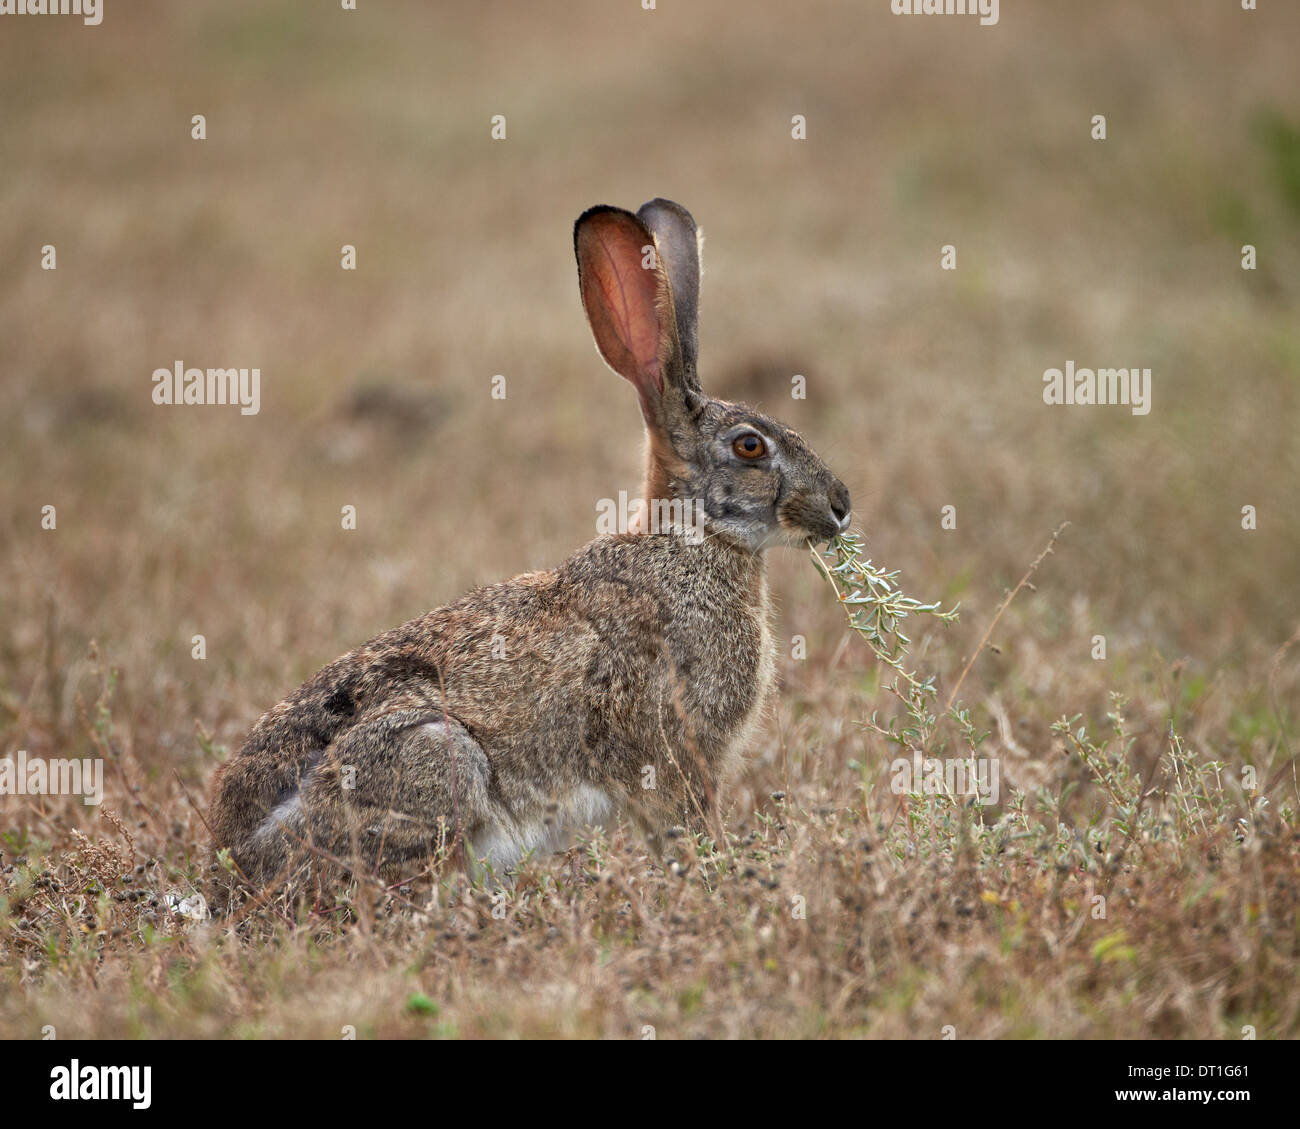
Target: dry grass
{"x":924,"y":391}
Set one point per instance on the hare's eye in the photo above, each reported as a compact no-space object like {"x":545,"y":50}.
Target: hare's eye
{"x":749,"y":446}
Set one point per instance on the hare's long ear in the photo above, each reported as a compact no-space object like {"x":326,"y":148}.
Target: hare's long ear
{"x":629,"y":303}
{"x":679,"y":246}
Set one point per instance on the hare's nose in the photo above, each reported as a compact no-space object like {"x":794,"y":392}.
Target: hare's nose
{"x":841,"y":506}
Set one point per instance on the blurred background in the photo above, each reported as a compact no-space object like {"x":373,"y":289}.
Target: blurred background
{"x":373,"y":128}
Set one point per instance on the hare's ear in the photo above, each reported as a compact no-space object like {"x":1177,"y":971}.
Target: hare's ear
{"x":629,"y":302}
{"x":679,"y":245}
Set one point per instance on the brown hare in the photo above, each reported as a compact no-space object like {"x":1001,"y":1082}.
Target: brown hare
{"x":629,"y":679}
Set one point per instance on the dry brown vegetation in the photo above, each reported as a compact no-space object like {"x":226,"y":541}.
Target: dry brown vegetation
{"x":924,"y":390}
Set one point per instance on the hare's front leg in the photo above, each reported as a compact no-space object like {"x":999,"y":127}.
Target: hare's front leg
{"x":683,"y":801}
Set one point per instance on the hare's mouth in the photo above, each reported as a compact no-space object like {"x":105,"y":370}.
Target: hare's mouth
{"x":802,"y":522}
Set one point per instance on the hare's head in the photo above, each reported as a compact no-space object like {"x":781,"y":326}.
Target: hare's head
{"x":758,"y":483}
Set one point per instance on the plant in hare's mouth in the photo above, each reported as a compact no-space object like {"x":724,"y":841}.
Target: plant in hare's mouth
{"x":875,"y":608}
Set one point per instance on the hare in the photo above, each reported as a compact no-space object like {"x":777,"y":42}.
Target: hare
{"x":629,"y":679}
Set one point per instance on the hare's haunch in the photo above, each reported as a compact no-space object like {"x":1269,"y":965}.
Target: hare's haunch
{"x":626,"y":680}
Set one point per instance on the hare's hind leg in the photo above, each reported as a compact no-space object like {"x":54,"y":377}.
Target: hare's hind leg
{"x":401,"y":786}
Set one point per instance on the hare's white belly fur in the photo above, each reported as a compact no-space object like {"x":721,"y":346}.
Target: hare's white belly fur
{"x":502,"y":845}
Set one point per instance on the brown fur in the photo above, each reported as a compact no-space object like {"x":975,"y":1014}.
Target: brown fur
{"x":645,"y":657}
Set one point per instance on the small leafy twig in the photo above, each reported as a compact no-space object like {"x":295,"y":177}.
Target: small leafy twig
{"x":874,"y":605}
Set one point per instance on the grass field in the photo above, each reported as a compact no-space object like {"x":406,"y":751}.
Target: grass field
{"x":835,"y":907}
